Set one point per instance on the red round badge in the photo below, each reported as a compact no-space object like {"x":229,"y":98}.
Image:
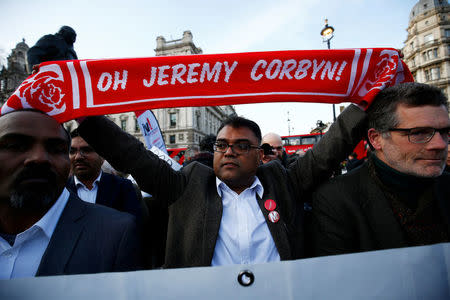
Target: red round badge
{"x":270,"y":204}
{"x":274,"y":216}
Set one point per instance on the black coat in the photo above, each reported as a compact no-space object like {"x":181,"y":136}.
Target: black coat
{"x":195,"y":208}
{"x":352,"y":214}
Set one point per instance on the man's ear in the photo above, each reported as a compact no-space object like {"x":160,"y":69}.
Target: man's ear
{"x":375,"y":137}
{"x":260,"y":154}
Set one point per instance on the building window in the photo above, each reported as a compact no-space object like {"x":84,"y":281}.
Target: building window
{"x":447,"y":32}
{"x":181,"y":137}
{"x":411,"y":45}
{"x":172,"y":139}
{"x":173,"y":119}
{"x":433,"y":73}
{"x":123,"y":125}
{"x":136,"y":125}
{"x":2,"y":85}
{"x":430,"y":54}
{"x":428,"y":38}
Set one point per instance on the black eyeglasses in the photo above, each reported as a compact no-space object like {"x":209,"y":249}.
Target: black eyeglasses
{"x":238,"y":148}
{"x":84,"y":151}
{"x":422,"y":135}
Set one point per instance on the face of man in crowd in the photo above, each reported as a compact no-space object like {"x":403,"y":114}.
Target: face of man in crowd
{"x":237,"y":170}
{"x":275,"y":141}
{"x":34,"y":159}
{"x":85,"y":162}
{"x":422,"y":160}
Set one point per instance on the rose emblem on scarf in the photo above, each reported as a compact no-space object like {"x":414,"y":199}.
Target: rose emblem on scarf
{"x":383,"y":74}
{"x":42,"y":91}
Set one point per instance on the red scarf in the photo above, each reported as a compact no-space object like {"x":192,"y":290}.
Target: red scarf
{"x":71,"y":89}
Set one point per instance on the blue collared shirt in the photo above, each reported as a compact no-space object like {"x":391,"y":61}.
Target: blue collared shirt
{"x":244,"y":237}
{"x":86,"y":194}
{"x":23,"y":258}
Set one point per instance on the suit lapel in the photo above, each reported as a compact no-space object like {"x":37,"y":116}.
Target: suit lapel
{"x":387,"y":231}
{"x":64,"y":239}
{"x":71,"y":185}
{"x":213,"y":217}
{"x":278,"y":230}
{"x":103,"y":191}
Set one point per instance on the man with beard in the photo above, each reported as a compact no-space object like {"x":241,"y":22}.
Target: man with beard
{"x":44,"y":230}
{"x":94,"y":186}
{"x":400,"y":197}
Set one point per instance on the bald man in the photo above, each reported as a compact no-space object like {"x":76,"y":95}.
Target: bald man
{"x":275,"y":141}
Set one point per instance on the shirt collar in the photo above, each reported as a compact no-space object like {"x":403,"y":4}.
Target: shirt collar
{"x":259,"y":189}
{"x":48,"y":222}
{"x":96,"y":181}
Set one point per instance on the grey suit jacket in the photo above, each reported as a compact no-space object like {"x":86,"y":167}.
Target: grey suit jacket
{"x":195,"y":208}
{"x":91,"y":238}
{"x":352,"y":214}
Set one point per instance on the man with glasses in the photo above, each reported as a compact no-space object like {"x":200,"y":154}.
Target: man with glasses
{"x":400,"y":197}
{"x":94,"y":186}
{"x":239,"y":212}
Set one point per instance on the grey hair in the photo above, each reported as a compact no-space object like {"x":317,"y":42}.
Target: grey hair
{"x":382,"y":112}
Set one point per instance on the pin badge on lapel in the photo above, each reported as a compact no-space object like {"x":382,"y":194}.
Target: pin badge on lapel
{"x":274,"y":216}
{"x":270,"y":204}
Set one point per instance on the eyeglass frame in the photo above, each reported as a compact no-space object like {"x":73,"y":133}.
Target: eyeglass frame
{"x":232,"y":147}
{"x":408,"y":131}
{"x":84,"y":151}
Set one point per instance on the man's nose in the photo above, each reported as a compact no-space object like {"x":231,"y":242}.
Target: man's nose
{"x":229,"y":150}
{"x":438,"y":142}
{"x":38,"y":154}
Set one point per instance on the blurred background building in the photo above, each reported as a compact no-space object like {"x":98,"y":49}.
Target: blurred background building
{"x":427,"y":46}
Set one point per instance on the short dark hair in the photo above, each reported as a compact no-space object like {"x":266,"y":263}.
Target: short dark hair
{"x":382,"y":112}
{"x":238,"y":122}
{"x":207,"y":143}
{"x":74,"y":133}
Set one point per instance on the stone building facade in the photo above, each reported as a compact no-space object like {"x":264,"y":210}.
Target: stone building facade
{"x":16,"y":71}
{"x":427,"y":47}
{"x":180,"y":126}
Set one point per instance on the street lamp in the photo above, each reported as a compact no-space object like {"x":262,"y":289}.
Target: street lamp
{"x":327,"y":34}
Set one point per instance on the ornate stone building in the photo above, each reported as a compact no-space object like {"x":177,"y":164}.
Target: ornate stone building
{"x":427,"y":47}
{"x":17,"y":70}
{"x":180,"y":126}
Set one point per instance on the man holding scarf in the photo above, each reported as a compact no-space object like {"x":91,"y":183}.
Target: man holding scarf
{"x":241,"y":212}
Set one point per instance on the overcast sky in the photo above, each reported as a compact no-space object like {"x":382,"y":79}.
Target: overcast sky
{"x":129,"y":28}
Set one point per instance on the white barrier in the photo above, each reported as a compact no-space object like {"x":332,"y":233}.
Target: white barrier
{"x":408,"y":273}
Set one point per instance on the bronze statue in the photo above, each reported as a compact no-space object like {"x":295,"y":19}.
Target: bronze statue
{"x":58,"y":46}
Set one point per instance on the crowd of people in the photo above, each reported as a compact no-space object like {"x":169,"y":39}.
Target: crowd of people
{"x":239,"y":199}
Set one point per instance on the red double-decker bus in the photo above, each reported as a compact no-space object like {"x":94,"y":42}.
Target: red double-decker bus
{"x":304,"y":142}
{"x":177,"y":152}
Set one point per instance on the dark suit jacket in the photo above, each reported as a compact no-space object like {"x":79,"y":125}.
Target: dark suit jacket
{"x":91,"y":238}
{"x":195,"y":208}
{"x":351,"y":214}
{"x":116,"y":192}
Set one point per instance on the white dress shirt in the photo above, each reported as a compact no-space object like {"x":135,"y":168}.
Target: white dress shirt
{"x":84,"y":193}
{"x":244,"y":237}
{"x":24,"y":257}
